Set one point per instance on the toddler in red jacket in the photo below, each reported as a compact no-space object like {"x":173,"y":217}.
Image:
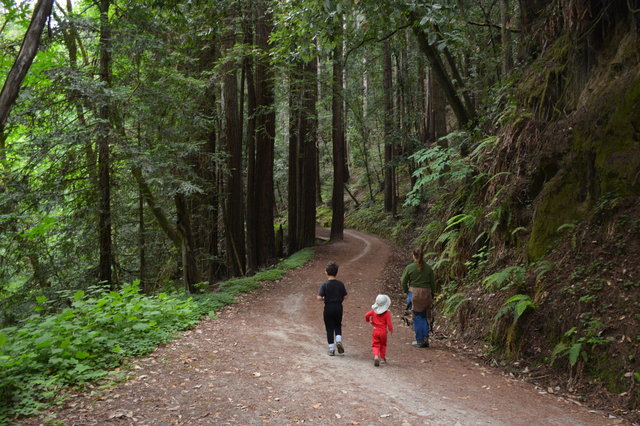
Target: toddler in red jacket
{"x":380,"y":318}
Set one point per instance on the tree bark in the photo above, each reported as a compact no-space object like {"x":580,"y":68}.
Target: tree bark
{"x":21,"y":66}
{"x":190,"y":273}
{"x":437,"y":118}
{"x":295,"y":134}
{"x":389,"y":168}
{"x":463,"y":115}
{"x":309,"y":162}
{"x":142,"y":255}
{"x":157,"y":212}
{"x":337,"y":133}
{"x":104,"y":162}
{"x":234,"y":208}
{"x":265,"y":139}
{"x":303,"y":156}
{"x":252,"y":112}
{"x":505,"y":33}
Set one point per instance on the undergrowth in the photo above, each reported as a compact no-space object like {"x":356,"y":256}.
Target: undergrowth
{"x":98,"y":330}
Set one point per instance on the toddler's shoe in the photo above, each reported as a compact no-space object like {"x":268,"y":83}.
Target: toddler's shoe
{"x":340,"y":347}
{"x":332,"y":353}
{"x":376,"y":362}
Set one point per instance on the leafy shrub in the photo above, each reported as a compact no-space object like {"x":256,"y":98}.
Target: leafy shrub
{"x":80,"y":343}
{"x":576,"y":345}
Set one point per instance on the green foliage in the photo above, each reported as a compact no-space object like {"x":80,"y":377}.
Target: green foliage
{"x":517,"y":304}
{"x":297,"y":259}
{"x":439,"y":164}
{"x":578,"y":345}
{"x":375,"y":220}
{"x":503,"y":280}
{"x":541,"y":268}
{"x":99,"y":330}
{"x":239,"y":285}
{"x":79,"y":344}
{"x":566,"y":226}
{"x":323,"y":216}
{"x":451,"y":303}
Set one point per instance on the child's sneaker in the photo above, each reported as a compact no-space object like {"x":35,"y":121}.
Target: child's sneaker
{"x":332,"y":352}
{"x":383,"y":360}
{"x":340,"y":347}
{"x":376,"y":362}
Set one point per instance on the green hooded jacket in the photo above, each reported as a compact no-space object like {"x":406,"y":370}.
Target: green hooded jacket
{"x":412,"y":277}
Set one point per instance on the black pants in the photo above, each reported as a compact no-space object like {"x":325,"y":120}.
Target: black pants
{"x":333,"y":320}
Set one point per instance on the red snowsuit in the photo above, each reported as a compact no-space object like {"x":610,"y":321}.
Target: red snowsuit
{"x":380,"y":322}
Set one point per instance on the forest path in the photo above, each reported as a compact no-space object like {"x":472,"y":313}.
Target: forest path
{"x":264,"y":360}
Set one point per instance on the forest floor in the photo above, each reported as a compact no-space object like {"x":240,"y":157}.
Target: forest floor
{"x":264,"y":360}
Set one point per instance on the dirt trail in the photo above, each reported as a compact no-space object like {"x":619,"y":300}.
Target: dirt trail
{"x":265,"y":361}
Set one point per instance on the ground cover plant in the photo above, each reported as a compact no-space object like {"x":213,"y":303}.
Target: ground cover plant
{"x":49,"y":353}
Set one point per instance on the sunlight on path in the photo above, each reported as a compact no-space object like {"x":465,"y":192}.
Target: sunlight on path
{"x":363,"y":252}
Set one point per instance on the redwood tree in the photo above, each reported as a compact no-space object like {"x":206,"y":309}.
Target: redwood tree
{"x":234,"y":205}
{"x":104,"y":136}
{"x":265,"y":137}
{"x":337,"y":135}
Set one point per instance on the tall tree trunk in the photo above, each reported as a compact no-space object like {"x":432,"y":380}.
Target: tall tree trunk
{"x":142,"y":237}
{"x":142,"y":256}
{"x":206,"y":211}
{"x":104,"y":163}
{"x":234,"y":208}
{"x":337,"y":133}
{"x":309,"y":152}
{"x":190,"y":273}
{"x":295,"y":134}
{"x":463,"y":115}
{"x":389,"y":170}
{"x":213,"y":197}
{"x":303,"y":156}
{"x":437,"y":118}
{"x":265,"y":139}
{"x":252,"y":112}
{"x":505,"y":32}
{"x":157,"y":212}
{"x":20,"y":67}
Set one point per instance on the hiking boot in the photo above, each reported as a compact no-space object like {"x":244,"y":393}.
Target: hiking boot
{"x":332,"y":353}
{"x":340,"y":347}
{"x":376,"y":362}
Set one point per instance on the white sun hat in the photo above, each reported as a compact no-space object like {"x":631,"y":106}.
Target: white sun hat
{"x":382,"y":304}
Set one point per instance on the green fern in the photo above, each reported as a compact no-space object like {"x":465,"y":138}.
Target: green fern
{"x":517,"y":304}
{"x":505,"y":279}
{"x":464,"y":219}
{"x":566,"y":226}
{"x":452,"y":303}
{"x":541,"y":268}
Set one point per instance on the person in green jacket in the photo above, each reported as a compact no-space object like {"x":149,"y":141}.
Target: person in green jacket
{"x":418,"y":281}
